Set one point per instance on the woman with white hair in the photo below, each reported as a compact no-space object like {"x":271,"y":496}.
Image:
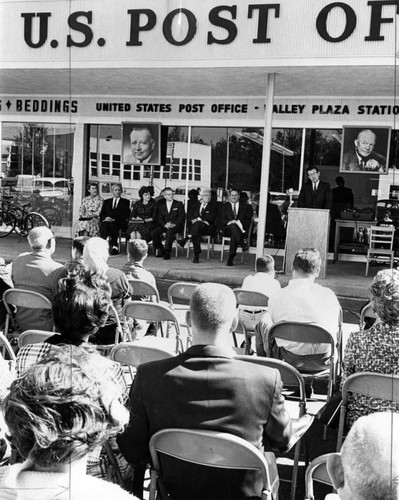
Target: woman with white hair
{"x":95,"y":257}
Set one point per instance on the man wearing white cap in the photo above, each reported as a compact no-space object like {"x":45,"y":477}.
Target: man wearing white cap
{"x":37,"y":271}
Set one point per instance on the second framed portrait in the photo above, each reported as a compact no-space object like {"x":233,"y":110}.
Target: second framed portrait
{"x":141,"y":143}
{"x":365,"y":150}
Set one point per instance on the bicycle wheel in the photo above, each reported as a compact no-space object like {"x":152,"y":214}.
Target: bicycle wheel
{"x":53,"y":216}
{"x":7,"y":223}
{"x":33,"y":219}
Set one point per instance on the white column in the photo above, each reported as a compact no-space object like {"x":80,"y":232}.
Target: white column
{"x":264,"y":180}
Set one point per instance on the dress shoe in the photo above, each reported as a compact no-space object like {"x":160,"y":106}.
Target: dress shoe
{"x":229,"y":261}
{"x":245,"y":246}
{"x":114,"y":251}
{"x":166,"y":256}
{"x":196,"y":260}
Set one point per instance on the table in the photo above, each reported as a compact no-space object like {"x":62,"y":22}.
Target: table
{"x":354,"y":224}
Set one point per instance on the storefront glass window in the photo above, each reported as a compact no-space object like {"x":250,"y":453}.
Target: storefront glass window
{"x":36,"y":168}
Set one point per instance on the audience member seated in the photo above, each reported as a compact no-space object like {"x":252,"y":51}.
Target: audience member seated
{"x":6,"y":377}
{"x":137,"y":253}
{"x":38,"y":272}
{"x":89,"y":213}
{"x":76,"y":264}
{"x":114,"y":217}
{"x":375,"y":349}
{"x":5,"y":284}
{"x":236,"y":220}
{"x":201,"y":221}
{"x":206,"y":388}
{"x":95,"y":257}
{"x":367,"y":468}
{"x":143,"y":215}
{"x":264,"y":282}
{"x":274,"y":222}
{"x":302,"y":301}
{"x":171,"y":217}
{"x":80,"y":308}
{"x":60,"y":410}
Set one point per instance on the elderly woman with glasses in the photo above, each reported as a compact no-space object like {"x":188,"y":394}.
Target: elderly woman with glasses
{"x":377,"y":349}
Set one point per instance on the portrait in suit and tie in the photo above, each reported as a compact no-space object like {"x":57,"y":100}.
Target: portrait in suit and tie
{"x":365,"y":150}
{"x":141,"y":143}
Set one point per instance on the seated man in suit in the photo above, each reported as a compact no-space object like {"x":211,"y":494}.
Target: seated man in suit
{"x":201,"y":221}
{"x":368,"y":463}
{"x":236,"y":220}
{"x":114,"y":216}
{"x":315,"y":193}
{"x":206,"y":388}
{"x":171,"y":217}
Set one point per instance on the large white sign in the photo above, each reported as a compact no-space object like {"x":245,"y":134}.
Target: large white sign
{"x":184,"y":33}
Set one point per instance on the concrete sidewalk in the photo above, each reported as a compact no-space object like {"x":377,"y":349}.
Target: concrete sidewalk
{"x":345,"y":278}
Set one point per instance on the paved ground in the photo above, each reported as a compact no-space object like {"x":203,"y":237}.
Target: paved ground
{"x":345,"y":278}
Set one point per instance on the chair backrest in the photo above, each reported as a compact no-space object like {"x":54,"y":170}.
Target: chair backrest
{"x":181,"y":291}
{"x":209,"y":448}
{"x":140,"y":287}
{"x":368,"y":313}
{"x":382,"y":236}
{"x":290,"y":376}
{"x":250,"y":298}
{"x":25,"y":298}
{"x":34,"y":337}
{"x":6,"y":349}
{"x":134,"y":355}
{"x":383,"y":386}
{"x":316,"y":471}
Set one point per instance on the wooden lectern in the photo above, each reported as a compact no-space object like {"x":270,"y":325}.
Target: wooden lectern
{"x":307,"y":227}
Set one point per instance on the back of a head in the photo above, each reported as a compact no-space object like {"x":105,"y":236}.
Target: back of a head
{"x":307,"y":261}
{"x":370,"y":457}
{"x":265,"y":264}
{"x":79,"y":243}
{"x":39,"y":237}
{"x":81,"y":306}
{"x":137,"y":250}
{"x":213,"y":307}
{"x":64,"y":406}
{"x":95,"y":255}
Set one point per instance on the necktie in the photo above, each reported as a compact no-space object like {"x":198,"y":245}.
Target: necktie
{"x":314,"y":186}
{"x":202,"y":209}
{"x":115,"y":203}
{"x":235,"y":210}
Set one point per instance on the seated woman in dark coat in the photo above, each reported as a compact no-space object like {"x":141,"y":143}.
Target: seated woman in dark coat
{"x":143,"y":215}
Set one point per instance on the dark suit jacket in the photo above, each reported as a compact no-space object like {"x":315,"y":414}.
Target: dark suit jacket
{"x":205,"y":388}
{"x":176,"y":214}
{"x":209,"y":214}
{"x":245,"y":214}
{"x":350,"y":161}
{"x":121,"y":213}
{"x":321,"y":198}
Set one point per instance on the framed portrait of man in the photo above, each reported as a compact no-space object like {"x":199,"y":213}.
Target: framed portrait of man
{"x":141,"y":143}
{"x":365,"y":150}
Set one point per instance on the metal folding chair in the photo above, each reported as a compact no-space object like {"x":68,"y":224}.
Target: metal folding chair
{"x":381,"y":245}
{"x":209,"y":240}
{"x":34,"y":337}
{"x":208,"y":448}
{"x":179,"y":295}
{"x":140,"y":287}
{"x":374,"y":385}
{"x":316,"y":471}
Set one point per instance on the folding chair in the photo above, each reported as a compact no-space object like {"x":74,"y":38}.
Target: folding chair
{"x":133,"y":354}
{"x":367,"y":315}
{"x":291,"y":378}
{"x":383,"y":386}
{"x":7,"y":351}
{"x":34,"y":337}
{"x":226,"y":242}
{"x":240,"y":330}
{"x":250,"y":299}
{"x":208,"y":448}
{"x":316,"y":471}
{"x":140,"y":287}
{"x":381,"y":245}
{"x":181,"y":292}
{"x":153,"y":312}
{"x":209,"y":240}
{"x":22,"y":298}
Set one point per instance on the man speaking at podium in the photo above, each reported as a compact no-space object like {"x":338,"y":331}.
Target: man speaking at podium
{"x":315,"y":193}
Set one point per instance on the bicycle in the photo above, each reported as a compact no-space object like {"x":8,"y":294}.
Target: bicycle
{"x":18,"y":218}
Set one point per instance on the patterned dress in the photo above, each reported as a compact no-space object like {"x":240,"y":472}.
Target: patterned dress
{"x":90,"y":210}
{"x":374,"y":350}
{"x":143,"y":211}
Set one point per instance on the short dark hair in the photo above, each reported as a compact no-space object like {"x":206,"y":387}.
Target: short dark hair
{"x":308,"y":261}
{"x":137,"y":249}
{"x":81,"y":306}
{"x":340,"y":180}
{"x":79,"y":243}
{"x":64,"y":406}
{"x":146,"y":189}
{"x":265,"y":264}
{"x":95,"y":184}
{"x":312,"y":168}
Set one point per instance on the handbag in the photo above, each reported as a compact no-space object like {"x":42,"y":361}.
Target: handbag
{"x":330,"y":412}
